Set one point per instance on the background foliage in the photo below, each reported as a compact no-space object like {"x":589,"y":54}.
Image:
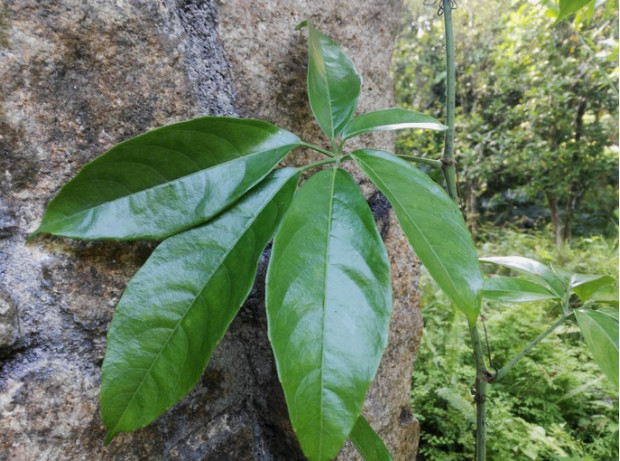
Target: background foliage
{"x":537,"y":110}
{"x":554,"y":405}
{"x":537,"y":146}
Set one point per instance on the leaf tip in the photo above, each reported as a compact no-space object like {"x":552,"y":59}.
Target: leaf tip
{"x":301,"y":25}
{"x":32,"y":236}
{"x":108,"y":438}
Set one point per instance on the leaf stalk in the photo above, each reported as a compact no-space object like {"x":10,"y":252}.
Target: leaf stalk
{"x":318,"y":149}
{"x":319,"y":163}
{"x":506,"y":368}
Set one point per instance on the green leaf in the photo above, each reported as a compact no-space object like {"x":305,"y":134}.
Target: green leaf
{"x":532,"y":268}
{"x":433,"y":224}
{"x":368,"y":442}
{"x":329,"y":302}
{"x":167,"y":180}
{"x":585,"y":285}
{"x":600,"y":331}
{"x":611,"y":311}
{"x":333,"y":83}
{"x":180,"y":303}
{"x":389,"y":120}
{"x":607,"y":294}
{"x":513,"y":290}
{"x":568,"y":7}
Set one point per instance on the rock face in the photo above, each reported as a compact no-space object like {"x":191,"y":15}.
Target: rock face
{"x":78,"y":77}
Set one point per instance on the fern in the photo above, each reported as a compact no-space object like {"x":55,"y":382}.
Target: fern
{"x":459,"y":403}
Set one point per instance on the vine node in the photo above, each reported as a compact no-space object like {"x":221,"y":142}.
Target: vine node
{"x":439,"y":4}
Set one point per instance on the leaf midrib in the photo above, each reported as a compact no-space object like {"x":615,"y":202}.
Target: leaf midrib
{"x":161,"y":185}
{"x":610,"y":338}
{"x":326,"y":281}
{"x":539,"y":271}
{"x":316,"y":33}
{"x":414,"y":224}
{"x":352,"y":129}
{"x":192,"y":304}
{"x":530,"y":288}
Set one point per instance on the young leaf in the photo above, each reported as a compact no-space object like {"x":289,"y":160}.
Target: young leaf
{"x":530,"y":267}
{"x":368,"y":442}
{"x":389,"y":120}
{"x":178,"y":306}
{"x":512,"y":290}
{"x":333,"y":83}
{"x":167,"y":180}
{"x":600,"y":331}
{"x":433,"y":224}
{"x":329,"y":302}
{"x":585,"y":285}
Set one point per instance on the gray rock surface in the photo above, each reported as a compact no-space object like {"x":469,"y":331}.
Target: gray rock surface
{"x":78,"y":77}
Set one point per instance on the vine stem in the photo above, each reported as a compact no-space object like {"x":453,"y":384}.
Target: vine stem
{"x":506,"y":368}
{"x":449,"y":172}
{"x":448,"y":165}
{"x":482,"y":379}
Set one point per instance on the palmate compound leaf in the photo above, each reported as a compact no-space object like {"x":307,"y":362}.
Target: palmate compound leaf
{"x":179,"y":304}
{"x":167,"y":180}
{"x":433,"y":225}
{"x":333,"y":83}
{"x":329,"y":303}
{"x":600,"y":332}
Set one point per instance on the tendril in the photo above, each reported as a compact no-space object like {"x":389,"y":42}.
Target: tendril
{"x":439,"y":5}
{"x":486,"y":338}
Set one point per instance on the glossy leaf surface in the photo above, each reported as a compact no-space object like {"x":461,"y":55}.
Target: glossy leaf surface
{"x":333,"y":83}
{"x":389,"y":120}
{"x":329,"y":302}
{"x":513,"y":290}
{"x":167,"y":180}
{"x":530,"y":267}
{"x":433,"y":225}
{"x":600,"y":332}
{"x":180,"y":303}
{"x":368,"y":443}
